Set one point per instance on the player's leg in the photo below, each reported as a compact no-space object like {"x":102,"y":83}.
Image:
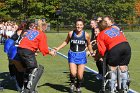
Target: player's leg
{"x":113,"y":78}
{"x":73,"y":73}
{"x":113,"y":60}
{"x":28,"y":58}
{"x":34,"y":77}
{"x":125,"y":59}
{"x":80,"y":72}
{"x":73,"y":70}
{"x":100,"y":69}
{"x":125,"y":78}
{"x":104,"y":72}
{"x":12,"y":69}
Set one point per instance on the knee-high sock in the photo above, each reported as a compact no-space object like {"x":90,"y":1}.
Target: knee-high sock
{"x":72,"y":79}
{"x":79,"y":83}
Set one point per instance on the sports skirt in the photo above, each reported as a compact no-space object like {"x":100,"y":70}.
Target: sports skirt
{"x":77,"y":57}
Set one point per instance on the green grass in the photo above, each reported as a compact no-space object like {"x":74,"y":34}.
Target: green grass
{"x":55,"y":78}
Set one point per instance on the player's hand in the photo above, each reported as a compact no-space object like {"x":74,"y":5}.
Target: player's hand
{"x":92,"y":54}
{"x":52,"y":52}
{"x":88,"y":53}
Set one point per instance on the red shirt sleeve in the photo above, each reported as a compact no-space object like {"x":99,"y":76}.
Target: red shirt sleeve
{"x":43,"y":46}
{"x":101,"y":44}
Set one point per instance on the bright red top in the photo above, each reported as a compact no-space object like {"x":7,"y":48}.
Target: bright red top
{"x":109,"y":38}
{"x":35,"y":40}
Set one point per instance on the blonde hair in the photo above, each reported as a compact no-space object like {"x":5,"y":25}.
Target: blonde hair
{"x":40,"y":24}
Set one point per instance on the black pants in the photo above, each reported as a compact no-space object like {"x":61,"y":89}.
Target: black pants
{"x":119,"y":54}
{"x":99,"y":65}
{"x":27,"y":58}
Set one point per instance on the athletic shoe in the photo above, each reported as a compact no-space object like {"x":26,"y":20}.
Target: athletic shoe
{"x":78,"y":90}
{"x":125,"y":90}
{"x":72,"y":87}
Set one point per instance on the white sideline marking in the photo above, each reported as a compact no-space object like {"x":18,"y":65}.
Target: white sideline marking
{"x":90,"y":70}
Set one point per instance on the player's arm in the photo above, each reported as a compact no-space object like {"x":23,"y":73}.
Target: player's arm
{"x":65,"y":42}
{"x":101,"y":45}
{"x":43,"y":46}
{"x":89,"y":44}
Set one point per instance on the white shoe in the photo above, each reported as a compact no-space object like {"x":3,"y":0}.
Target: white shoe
{"x":78,"y":90}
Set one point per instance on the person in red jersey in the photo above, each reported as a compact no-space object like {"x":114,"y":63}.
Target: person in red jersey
{"x":111,"y":22}
{"x":33,"y":40}
{"x":112,"y":41}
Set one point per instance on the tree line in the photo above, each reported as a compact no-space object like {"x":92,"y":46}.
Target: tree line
{"x":67,"y":11}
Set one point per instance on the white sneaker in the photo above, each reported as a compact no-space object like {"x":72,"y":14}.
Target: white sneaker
{"x":78,"y":90}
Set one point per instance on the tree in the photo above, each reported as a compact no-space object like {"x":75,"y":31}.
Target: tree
{"x":121,"y":10}
{"x":118,"y":9}
{"x":137,"y":8}
{"x":137,"y":11}
{"x":4,"y":12}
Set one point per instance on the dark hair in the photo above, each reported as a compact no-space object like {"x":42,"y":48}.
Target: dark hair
{"x":22,"y":26}
{"x":80,"y":19}
{"x":110,"y":18}
{"x":102,"y":25}
{"x":32,"y":25}
{"x":93,"y":20}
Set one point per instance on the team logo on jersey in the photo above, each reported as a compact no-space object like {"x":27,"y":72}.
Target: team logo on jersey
{"x":32,"y":34}
{"x":112,"y":32}
{"x":78,"y":41}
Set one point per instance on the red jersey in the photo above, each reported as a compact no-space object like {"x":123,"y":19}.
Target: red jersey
{"x":35,"y":40}
{"x":109,"y":38}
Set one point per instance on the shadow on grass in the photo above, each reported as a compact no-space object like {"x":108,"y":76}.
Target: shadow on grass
{"x":91,"y":83}
{"x":58,"y":87}
{"x":5,"y":81}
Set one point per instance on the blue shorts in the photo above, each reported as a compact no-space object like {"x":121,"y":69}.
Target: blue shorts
{"x":77,"y":57}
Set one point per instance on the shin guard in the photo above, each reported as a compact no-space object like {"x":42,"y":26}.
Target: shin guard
{"x":33,"y":79}
{"x":113,"y":80}
{"x":124,"y":76}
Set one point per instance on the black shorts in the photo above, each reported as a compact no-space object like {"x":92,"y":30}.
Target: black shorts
{"x":27,"y":58}
{"x":119,"y":54}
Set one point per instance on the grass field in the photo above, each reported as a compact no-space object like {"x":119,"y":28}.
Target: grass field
{"x":55,"y":78}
